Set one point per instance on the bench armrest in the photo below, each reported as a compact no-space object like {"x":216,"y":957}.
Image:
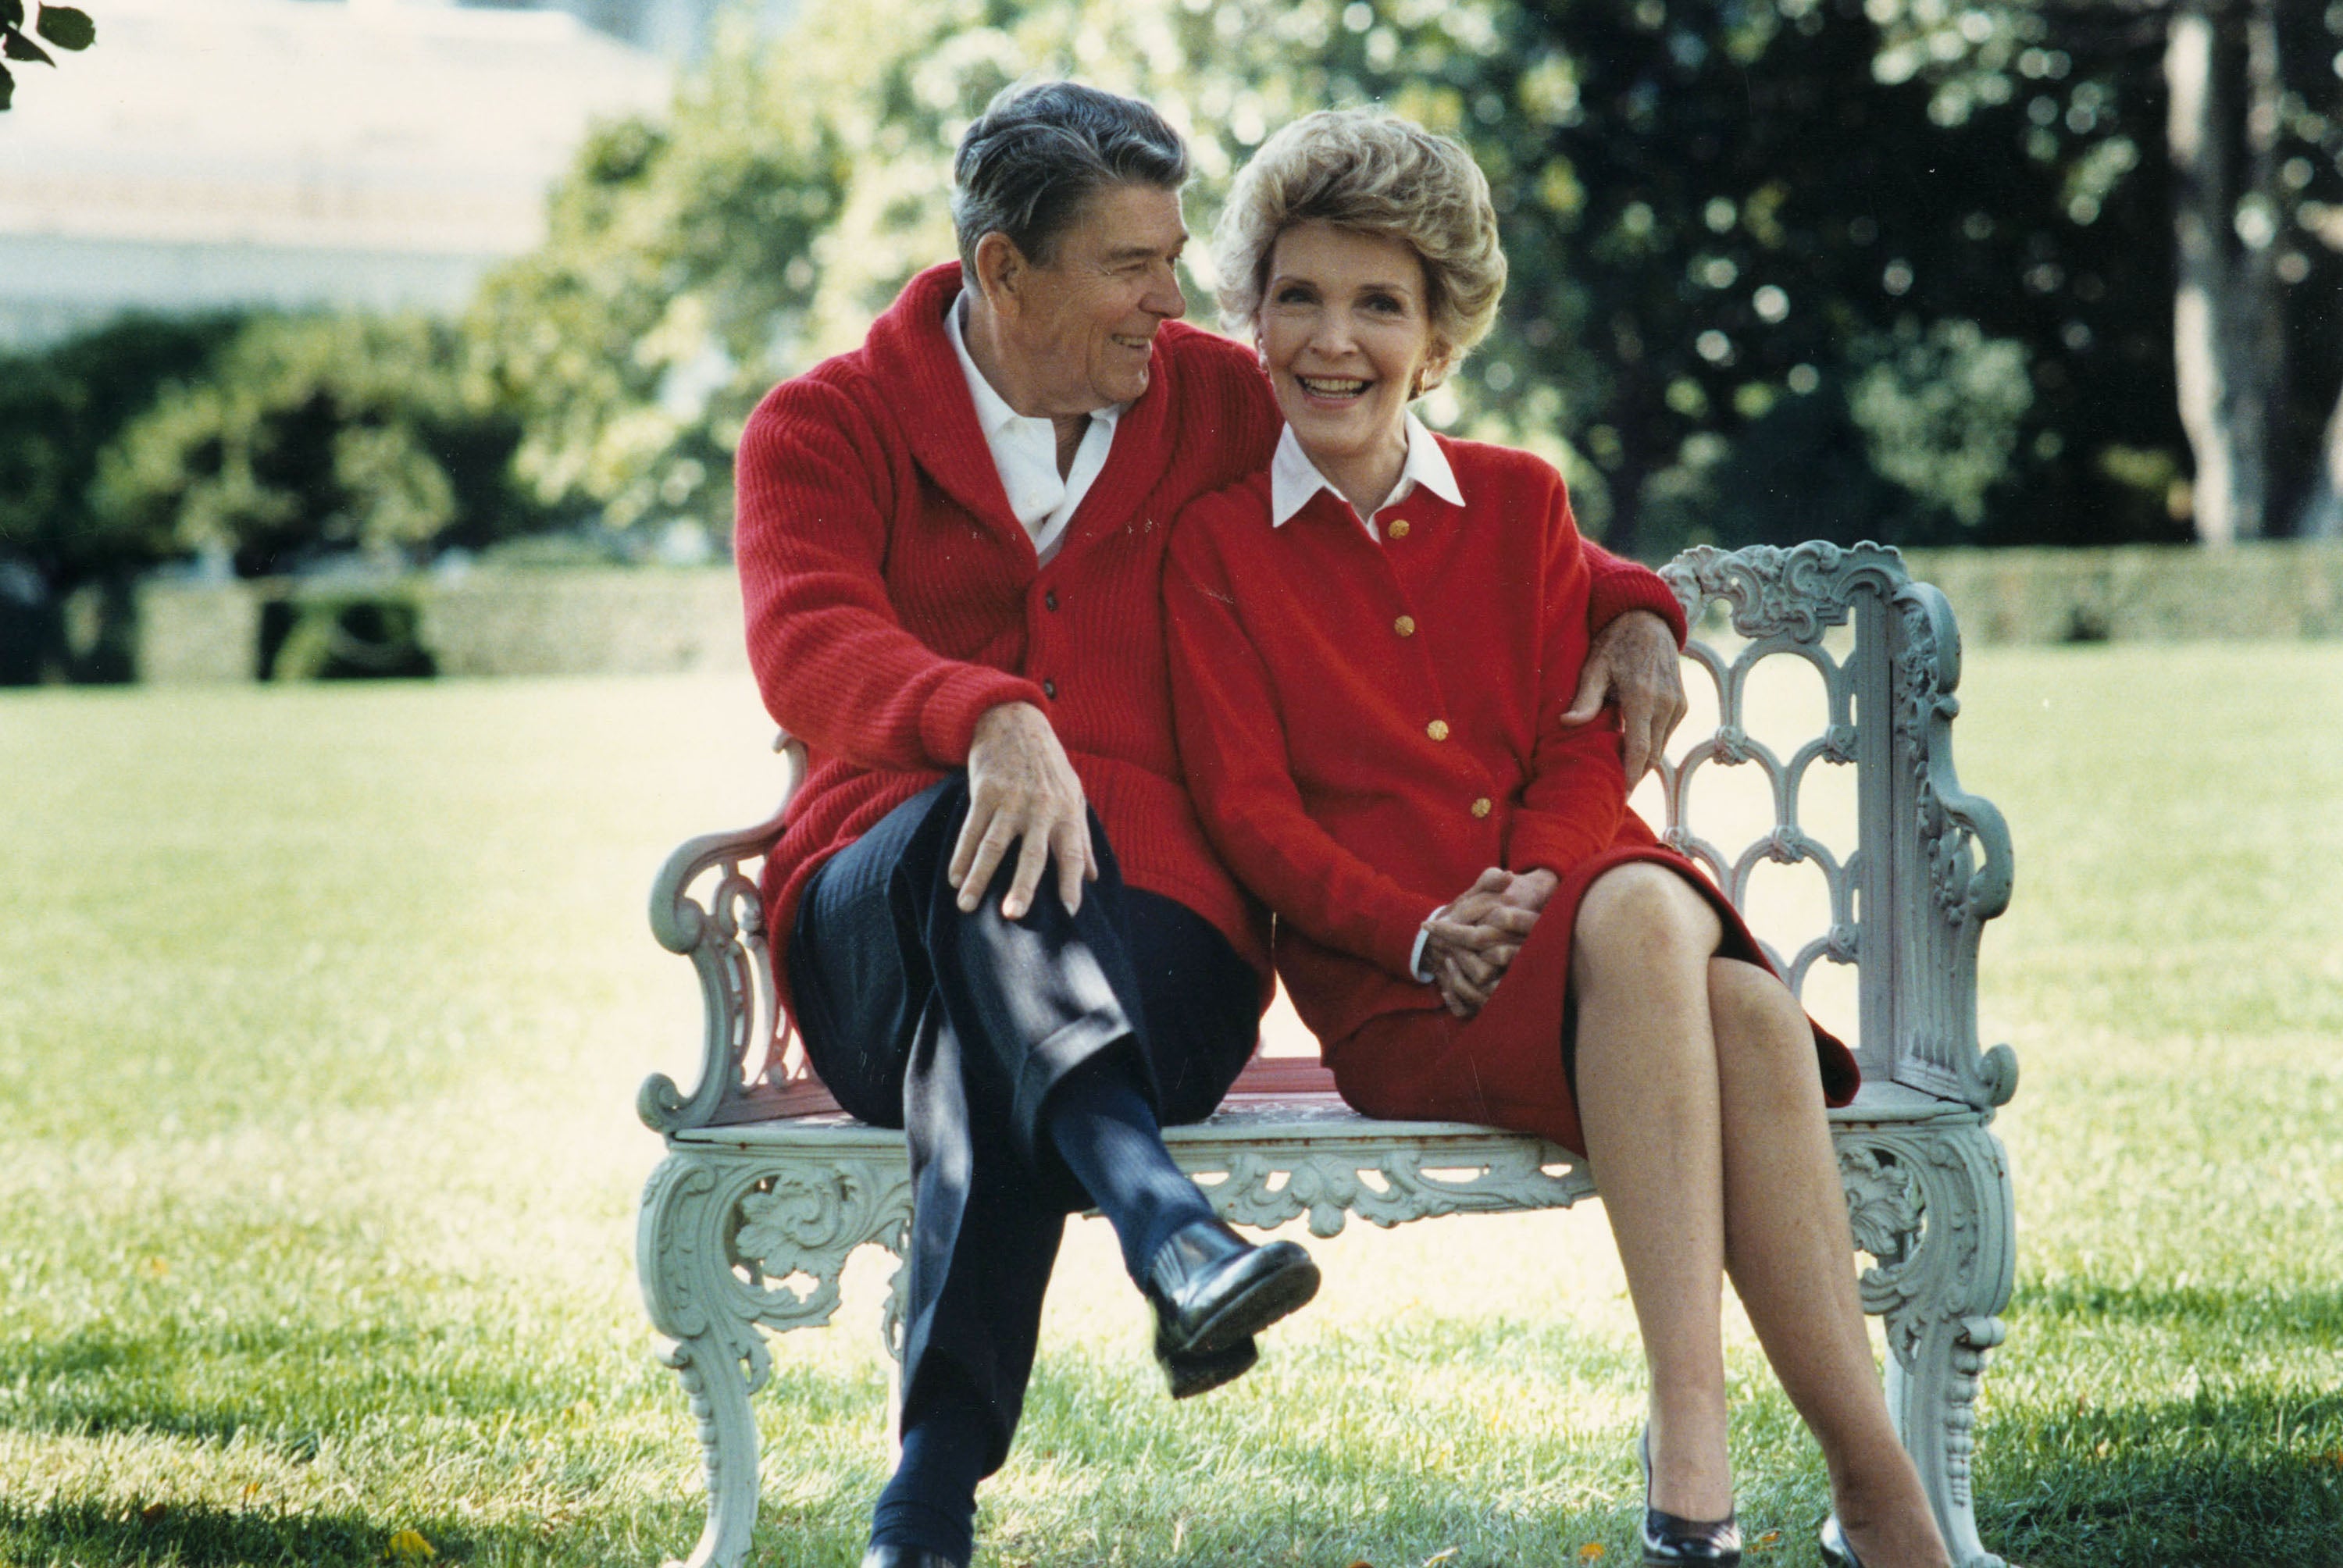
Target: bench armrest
{"x":726,"y":940}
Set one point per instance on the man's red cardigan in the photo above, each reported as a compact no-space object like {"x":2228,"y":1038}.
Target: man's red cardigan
{"x":892,"y":597}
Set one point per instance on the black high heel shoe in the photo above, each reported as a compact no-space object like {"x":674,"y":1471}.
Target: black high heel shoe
{"x":1669,"y":1541}
{"x":1837,"y":1548}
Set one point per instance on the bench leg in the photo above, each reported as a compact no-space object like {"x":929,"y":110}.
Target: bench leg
{"x":730,"y":1244}
{"x":683,"y":1261}
{"x":719,"y":1389}
{"x":1933,"y":1205}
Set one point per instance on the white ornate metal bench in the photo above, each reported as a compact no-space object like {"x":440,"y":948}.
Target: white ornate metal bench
{"x":766,"y":1189}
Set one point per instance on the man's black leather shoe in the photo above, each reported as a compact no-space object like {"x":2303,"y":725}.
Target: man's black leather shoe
{"x":1212,"y":1289}
{"x":1193,"y":1372}
{"x":905,"y":1557}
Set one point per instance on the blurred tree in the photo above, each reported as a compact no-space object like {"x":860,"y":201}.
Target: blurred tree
{"x":2235,"y":108}
{"x":1718,"y":214}
{"x":307,"y":437}
{"x":62,"y":26}
{"x":1738,"y":226}
{"x":59,"y":410}
{"x":672,"y":291}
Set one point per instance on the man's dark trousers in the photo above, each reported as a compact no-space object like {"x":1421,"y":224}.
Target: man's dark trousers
{"x":957,"y":1026}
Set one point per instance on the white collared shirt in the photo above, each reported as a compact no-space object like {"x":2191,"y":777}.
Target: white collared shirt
{"x":1025,"y":450}
{"x":1293,"y":478}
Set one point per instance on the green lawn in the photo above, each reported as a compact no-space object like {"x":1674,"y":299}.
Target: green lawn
{"x":321,"y":1011}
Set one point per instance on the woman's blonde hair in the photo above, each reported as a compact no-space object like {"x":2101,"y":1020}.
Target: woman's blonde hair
{"x":1370,"y":172}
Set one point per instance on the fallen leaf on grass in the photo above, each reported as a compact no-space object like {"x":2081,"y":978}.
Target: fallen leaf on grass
{"x":1445,"y":1554}
{"x":1590,"y":1552}
{"x":153,"y":1513}
{"x":1767,"y":1542}
{"x":410,"y":1546}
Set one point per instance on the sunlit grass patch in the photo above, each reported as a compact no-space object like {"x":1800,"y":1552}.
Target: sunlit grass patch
{"x":322,"y":1011}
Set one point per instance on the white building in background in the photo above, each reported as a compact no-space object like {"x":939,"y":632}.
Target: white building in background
{"x":378,"y":154}
{"x":680,"y":29}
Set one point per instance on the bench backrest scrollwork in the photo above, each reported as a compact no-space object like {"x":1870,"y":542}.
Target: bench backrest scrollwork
{"x":1931,"y":863}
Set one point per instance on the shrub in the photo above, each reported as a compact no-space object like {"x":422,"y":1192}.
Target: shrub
{"x":309,"y":437}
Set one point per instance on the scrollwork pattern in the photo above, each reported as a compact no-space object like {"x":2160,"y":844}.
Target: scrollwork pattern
{"x":1793,"y":592}
{"x":1507,"y":1176}
{"x":806,"y":1222}
{"x":1932,"y":1204}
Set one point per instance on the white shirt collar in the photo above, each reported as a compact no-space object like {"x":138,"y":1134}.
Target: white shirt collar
{"x":1293,"y":478}
{"x":1024,"y":450}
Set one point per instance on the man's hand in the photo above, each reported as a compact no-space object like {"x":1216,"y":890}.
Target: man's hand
{"x":1021,"y":790}
{"x":1633,"y":662}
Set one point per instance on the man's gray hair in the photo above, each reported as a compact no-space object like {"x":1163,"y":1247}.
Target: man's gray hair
{"x":1039,"y":151}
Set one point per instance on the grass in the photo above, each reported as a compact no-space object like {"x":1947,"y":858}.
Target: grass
{"x":321,"y":1011}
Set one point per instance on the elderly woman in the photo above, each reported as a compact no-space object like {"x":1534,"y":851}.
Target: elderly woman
{"x":1373,"y":644}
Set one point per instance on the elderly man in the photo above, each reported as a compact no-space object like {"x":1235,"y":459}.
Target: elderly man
{"x":1005,"y":929}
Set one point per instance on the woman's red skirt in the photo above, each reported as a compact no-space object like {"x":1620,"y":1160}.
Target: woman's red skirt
{"x":1503,"y":1066}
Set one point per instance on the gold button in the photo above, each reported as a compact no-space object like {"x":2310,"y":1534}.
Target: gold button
{"x":1482,"y":807}
{"x":1397,"y":529}
{"x":1437,"y":729}
{"x":1404,"y":626}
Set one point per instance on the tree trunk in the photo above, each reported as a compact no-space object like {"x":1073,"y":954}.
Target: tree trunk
{"x":2259,"y":341}
{"x":2322,"y":515}
{"x":2227,"y":333}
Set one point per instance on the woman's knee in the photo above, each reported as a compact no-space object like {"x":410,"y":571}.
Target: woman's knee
{"x":1754,"y":1014}
{"x":1642,"y":915}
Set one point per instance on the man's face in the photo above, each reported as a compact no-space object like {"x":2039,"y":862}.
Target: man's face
{"x":1084,"y":333}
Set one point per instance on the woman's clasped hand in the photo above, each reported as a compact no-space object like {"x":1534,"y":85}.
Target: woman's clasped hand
{"x":1469,"y":943}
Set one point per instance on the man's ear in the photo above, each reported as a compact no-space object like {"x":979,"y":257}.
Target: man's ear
{"x":1001,"y":269}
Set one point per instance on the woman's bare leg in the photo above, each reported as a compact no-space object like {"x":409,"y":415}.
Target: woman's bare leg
{"x":1648,"y":1102}
{"x":1791,"y":1258}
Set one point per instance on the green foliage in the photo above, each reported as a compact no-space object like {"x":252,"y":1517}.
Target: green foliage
{"x":2079,"y":94}
{"x":344,"y":637}
{"x":59,"y":410}
{"x":1942,"y":411}
{"x":671,"y":293}
{"x":1717,"y":209}
{"x":63,"y":25}
{"x":309,"y":435}
{"x":66,"y":27}
{"x":1742,"y":232}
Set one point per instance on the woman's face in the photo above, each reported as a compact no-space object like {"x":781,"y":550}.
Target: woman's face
{"x":1345,"y":331}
